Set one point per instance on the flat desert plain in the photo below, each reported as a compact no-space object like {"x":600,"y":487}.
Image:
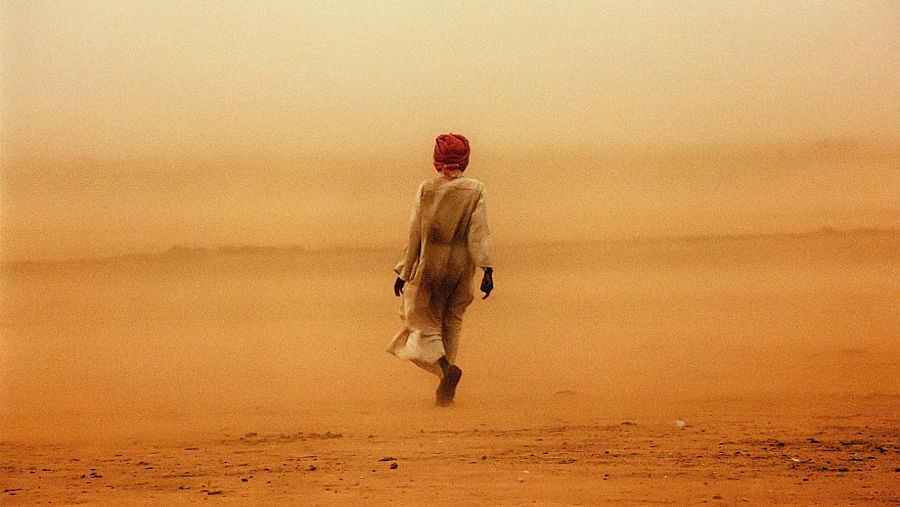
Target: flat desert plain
{"x":757,"y":370}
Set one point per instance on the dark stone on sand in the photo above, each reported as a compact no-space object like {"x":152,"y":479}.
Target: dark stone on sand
{"x":244,"y":479}
{"x":388,"y":458}
{"x":252,"y":434}
{"x":394,"y":465}
{"x":216,"y":492}
{"x":812,"y":440}
{"x":312,"y":468}
{"x":843,"y":469}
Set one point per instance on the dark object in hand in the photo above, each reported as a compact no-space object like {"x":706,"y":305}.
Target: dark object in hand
{"x":487,"y":282}
{"x":398,"y":286}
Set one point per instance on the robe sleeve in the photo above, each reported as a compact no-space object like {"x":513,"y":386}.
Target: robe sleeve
{"x":480,"y":243}
{"x":406,"y":268}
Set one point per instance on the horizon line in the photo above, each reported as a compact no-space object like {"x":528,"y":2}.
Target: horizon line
{"x":186,"y":251}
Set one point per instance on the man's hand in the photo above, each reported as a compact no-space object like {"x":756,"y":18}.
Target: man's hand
{"x":398,"y":286}
{"x":487,"y":282}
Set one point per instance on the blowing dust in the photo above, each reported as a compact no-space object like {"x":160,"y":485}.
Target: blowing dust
{"x":207,"y":340}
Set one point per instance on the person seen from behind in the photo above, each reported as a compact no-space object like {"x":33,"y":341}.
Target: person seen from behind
{"x":449,"y":240}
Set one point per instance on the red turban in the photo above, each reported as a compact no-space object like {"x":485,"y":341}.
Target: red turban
{"x":451,"y":151}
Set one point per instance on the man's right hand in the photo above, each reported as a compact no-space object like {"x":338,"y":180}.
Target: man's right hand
{"x":398,"y":286}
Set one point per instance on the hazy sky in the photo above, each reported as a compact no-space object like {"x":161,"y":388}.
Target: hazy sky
{"x":134,"y":125}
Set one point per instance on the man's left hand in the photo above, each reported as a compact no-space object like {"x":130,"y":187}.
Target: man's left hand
{"x":487,"y":282}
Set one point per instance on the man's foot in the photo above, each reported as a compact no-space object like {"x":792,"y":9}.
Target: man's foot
{"x":447,"y":388}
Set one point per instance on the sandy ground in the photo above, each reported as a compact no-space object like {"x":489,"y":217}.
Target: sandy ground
{"x":757,"y":370}
{"x":728,"y":452}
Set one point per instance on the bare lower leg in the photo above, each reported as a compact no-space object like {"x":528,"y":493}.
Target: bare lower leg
{"x":444,"y":364}
{"x":447,"y":388}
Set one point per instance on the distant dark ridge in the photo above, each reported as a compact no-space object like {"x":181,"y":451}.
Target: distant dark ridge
{"x":189,"y":252}
{"x":824,"y":232}
{"x":821,"y":232}
{"x":175,"y":252}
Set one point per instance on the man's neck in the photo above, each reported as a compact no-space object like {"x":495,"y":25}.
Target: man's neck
{"x":451,"y":174}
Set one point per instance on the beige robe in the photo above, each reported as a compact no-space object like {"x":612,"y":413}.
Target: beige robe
{"x":448,"y":239}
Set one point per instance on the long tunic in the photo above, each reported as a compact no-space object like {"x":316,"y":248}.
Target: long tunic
{"x":448,"y":239}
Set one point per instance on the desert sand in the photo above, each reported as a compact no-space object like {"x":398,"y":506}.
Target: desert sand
{"x":758,"y":370}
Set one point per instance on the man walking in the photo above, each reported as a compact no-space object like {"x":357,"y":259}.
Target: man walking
{"x":449,"y":240}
